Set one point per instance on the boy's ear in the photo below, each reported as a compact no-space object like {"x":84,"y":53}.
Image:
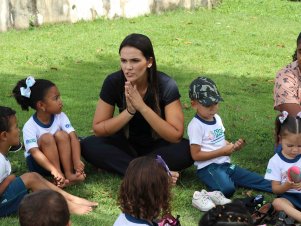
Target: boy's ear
{"x":194,"y":104}
{"x":3,"y":135}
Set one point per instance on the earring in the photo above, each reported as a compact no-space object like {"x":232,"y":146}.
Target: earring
{"x":149,"y":65}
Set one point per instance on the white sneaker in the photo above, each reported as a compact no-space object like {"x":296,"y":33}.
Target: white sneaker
{"x":202,"y":201}
{"x":218,"y":198}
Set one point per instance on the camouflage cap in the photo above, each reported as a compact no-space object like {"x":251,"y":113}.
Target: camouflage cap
{"x":205,"y":91}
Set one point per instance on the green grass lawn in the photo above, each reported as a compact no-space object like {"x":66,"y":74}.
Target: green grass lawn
{"x":240,"y":45}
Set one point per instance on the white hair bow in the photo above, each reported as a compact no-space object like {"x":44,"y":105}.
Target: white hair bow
{"x":283,"y":116}
{"x":25,"y":92}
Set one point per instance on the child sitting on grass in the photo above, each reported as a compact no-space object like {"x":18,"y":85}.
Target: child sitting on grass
{"x":51,"y":144}
{"x":288,"y":133}
{"x":210,"y":150}
{"x":44,"y":207}
{"x":145,"y":192}
{"x":12,"y":188}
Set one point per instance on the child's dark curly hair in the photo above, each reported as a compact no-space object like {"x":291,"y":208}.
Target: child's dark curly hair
{"x":145,"y":189}
{"x":38,"y":92}
{"x":234,"y":213}
{"x":5,"y":114}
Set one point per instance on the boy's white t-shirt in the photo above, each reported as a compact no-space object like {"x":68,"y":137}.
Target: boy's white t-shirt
{"x":5,"y":167}
{"x":34,"y":129}
{"x":210,"y":136}
{"x":278,"y":166}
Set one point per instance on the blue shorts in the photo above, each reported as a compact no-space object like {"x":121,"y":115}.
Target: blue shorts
{"x":12,"y":196}
{"x":294,"y":198}
{"x":33,"y":166}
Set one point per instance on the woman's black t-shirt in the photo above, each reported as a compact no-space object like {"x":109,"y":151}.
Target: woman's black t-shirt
{"x":112,"y":92}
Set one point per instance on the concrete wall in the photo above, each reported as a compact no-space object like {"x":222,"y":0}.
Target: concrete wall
{"x":21,"y":14}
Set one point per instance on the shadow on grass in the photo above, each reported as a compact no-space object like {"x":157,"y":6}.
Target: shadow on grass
{"x":246,"y":111}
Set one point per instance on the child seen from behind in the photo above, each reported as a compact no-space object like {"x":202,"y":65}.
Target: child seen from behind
{"x":145,"y":192}
{"x":45,"y":207}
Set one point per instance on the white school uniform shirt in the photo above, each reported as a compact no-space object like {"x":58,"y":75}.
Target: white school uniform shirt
{"x":128,"y":220}
{"x":278,"y":166}
{"x":5,"y":167}
{"x":34,"y":129}
{"x":210,"y":136}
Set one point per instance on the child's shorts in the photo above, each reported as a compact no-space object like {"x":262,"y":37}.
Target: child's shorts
{"x":12,"y":196}
{"x":294,"y":198}
{"x":33,"y":166}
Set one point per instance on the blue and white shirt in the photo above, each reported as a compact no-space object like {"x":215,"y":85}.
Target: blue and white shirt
{"x":128,"y":220}
{"x":210,"y":135}
{"x":278,"y":166}
{"x":34,"y":129}
{"x":5,"y":167}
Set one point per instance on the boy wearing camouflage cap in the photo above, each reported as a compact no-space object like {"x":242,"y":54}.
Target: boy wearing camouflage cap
{"x":210,"y":150}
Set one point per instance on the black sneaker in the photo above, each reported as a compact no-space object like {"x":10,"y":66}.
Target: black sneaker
{"x":16,"y":148}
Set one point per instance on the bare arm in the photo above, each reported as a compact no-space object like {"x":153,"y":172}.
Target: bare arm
{"x":198,"y":155}
{"x":170,"y":129}
{"x":279,"y":188}
{"x":4,"y":184}
{"x":104,"y":124}
{"x":292,"y":109}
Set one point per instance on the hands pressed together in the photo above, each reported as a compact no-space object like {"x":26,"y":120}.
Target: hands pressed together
{"x":134,"y":101}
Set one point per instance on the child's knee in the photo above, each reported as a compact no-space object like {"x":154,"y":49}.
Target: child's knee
{"x":29,"y":178}
{"x":46,"y":140}
{"x":278,"y":204}
{"x":61,"y":136}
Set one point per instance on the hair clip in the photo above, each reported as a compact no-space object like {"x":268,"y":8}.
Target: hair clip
{"x":163,"y":163}
{"x":283,"y":116}
{"x":25,"y":92}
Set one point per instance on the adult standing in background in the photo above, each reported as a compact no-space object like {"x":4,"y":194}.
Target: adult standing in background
{"x":150,"y":119}
{"x":287,"y":89}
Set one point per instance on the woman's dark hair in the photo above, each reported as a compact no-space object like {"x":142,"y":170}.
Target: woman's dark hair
{"x":294,"y":56}
{"x":44,"y":207}
{"x":234,"y":213}
{"x":38,"y":92}
{"x":5,"y":114}
{"x":289,"y":125}
{"x":144,"y":44}
{"x":145,"y":189}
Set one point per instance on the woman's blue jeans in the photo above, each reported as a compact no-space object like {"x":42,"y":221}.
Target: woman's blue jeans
{"x":224,"y":177}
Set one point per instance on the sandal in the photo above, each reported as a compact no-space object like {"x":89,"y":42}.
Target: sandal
{"x":259,"y":215}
